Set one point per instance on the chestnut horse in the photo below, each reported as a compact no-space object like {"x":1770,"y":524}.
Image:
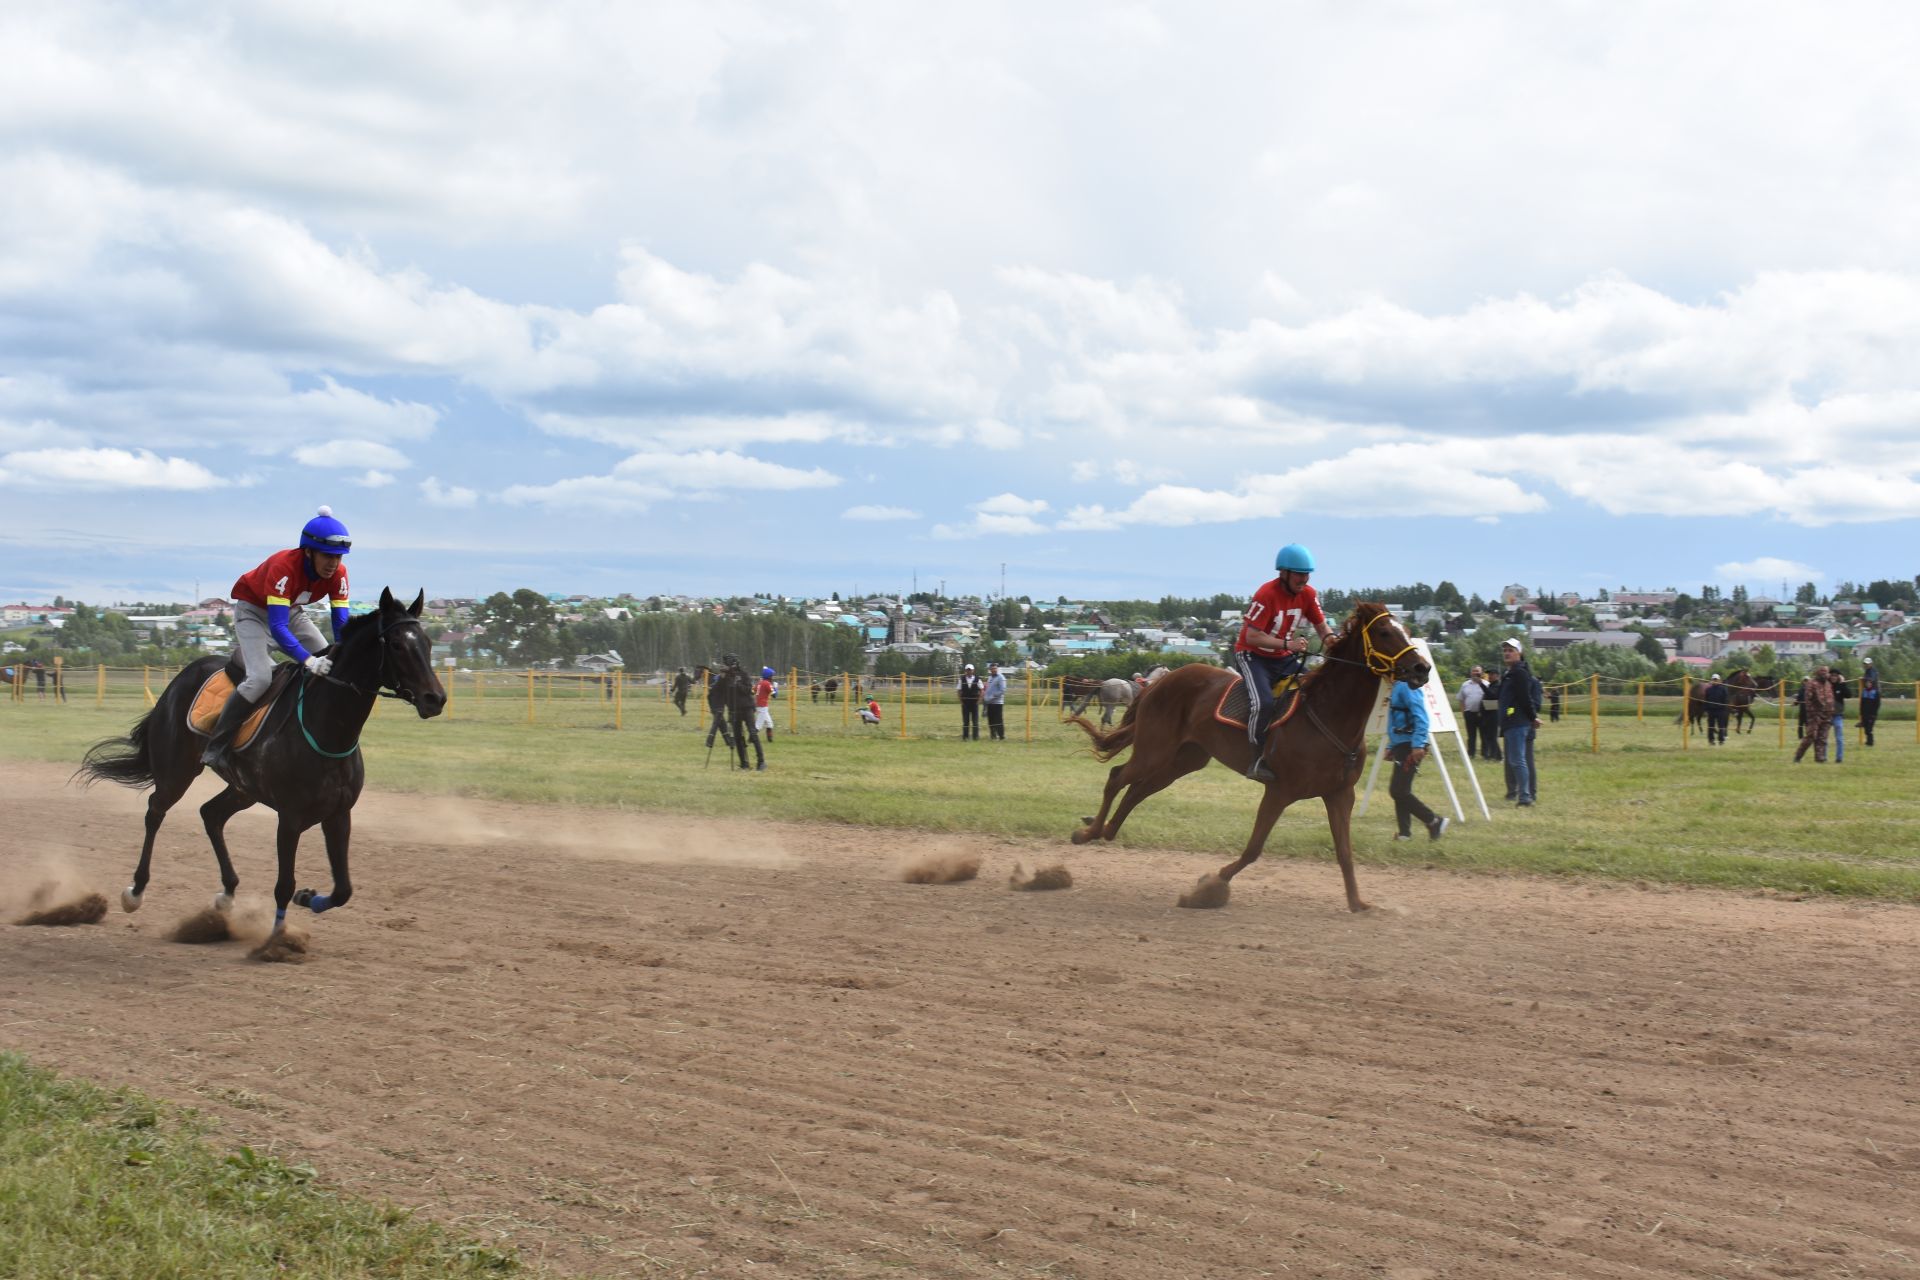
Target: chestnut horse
{"x":1318,"y":751}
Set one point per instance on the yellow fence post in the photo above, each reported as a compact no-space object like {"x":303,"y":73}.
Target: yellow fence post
{"x":793,"y":699}
{"x":619,"y":679}
{"x":1593,"y":708}
{"x":846,"y":699}
{"x":1029,"y":671}
{"x":146,"y":684}
{"x":99,"y":686}
{"x":1781,"y":703}
{"x":530,"y":680}
{"x":1640,"y":702}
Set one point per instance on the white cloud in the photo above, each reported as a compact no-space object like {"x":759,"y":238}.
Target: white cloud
{"x":1011,"y":504}
{"x":1006,"y":514}
{"x":1767,"y":570}
{"x":443,"y":495}
{"x":376,"y":479}
{"x":643,"y":479}
{"x":94,"y":469}
{"x":879,"y":513}
{"x":351,"y":453}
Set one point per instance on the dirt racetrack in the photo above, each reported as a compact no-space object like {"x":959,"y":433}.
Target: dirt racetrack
{"x":662,"y":1047}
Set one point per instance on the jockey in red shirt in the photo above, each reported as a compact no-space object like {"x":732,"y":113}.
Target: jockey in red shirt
{"x":267,"y":608}
{"x":1263,"y":654}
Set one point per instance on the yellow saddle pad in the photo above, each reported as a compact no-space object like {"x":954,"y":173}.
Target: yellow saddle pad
{"x":212,"y":697}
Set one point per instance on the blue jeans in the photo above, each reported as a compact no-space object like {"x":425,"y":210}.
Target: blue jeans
{"x":1839,"y":735}
{"x":1519,"y":748}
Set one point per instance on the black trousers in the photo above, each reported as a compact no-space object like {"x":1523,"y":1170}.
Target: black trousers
{"x":969,"y":720}
{"x":997,"y":721}
{"x":1471,"y":720}
{"x":1490,"y":730}
{"x":1869,"y":712}
{"x":1406,"y":805}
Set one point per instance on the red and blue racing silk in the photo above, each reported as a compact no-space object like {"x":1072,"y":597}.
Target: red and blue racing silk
{"x":1277,"y":611}
{"x":285,"y":581}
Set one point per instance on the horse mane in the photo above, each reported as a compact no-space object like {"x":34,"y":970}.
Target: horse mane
{"x":1350,"y":638}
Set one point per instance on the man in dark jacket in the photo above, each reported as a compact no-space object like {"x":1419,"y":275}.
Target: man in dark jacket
{"x":1716,"y":698}
{"x":972,"y":687}
{"x":1869,"y":700}
{"x":682,"y":682}
{"x":1520,"y":696}
{"x":1816,"y":708}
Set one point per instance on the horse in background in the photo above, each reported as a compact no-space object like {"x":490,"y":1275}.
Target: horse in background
{"x":1742,"y":688}
{"x":1078,"y":692}
{"x":1317,"y":751}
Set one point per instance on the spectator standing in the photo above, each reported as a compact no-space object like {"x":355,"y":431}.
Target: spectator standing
{"x":995,"y":698}
{"x":1553,"y":704}
{"x":1473,"y":694}
{"x":972,"y":689}
{"x":1869,"y":700}
{"x":1519,"y":719}
{"x":1716,"y":699}
{"x":1841,"y":692}
{"x":717,"y":702}
{"x":1407,"y":739}
{"x":1816,"y":708}
{"x":1490,"y":718}
{"x":39,"y":670}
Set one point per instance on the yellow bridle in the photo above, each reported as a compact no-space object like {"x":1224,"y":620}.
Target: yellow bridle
{"x":1378,"y":660}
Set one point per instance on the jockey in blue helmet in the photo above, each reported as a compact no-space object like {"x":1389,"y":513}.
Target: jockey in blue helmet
{"x":268,"y":608}
{"x":1264,"y":651}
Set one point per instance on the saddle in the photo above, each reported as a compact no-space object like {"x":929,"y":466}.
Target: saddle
{"x":1234,"y":704}
{"x":204,"y":711}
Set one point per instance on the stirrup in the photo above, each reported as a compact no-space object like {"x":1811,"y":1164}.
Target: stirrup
{"x":1259,"y":772}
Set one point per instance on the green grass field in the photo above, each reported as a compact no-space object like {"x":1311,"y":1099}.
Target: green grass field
{"x":105,"y":1184}
{"x":1640,"y":808}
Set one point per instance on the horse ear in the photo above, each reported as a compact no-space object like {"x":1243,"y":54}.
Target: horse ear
{"x":419,"y":602}
{"x":386,"y":599}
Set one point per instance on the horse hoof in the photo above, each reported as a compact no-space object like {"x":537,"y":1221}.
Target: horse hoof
{"x":223,"y":902}
{"x":129,"y":900}
{"x":1082,"y":835}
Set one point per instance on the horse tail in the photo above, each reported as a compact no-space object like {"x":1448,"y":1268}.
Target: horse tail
{"x":127,"y":761}
{"x":1108,"y":743}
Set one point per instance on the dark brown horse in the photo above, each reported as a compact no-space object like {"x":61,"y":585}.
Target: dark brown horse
{"x":1741,"y":688}
{"x":1318,"y":751}
{"x":304,"y":764}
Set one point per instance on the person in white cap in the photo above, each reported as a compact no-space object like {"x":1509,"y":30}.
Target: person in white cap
{"x":1717,"y":700}
{"x":971,"y":689}
{"x":1519,"y":719}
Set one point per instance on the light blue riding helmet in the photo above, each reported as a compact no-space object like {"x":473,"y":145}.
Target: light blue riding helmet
{"x":1294,"y":557}
{"x":324,"y":533}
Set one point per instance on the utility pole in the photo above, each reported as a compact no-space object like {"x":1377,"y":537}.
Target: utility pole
{"x":1003,"y":579}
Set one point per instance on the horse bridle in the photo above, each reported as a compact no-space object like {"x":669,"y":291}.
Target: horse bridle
{"x":1375,"y":660}
{"x":400,"y":690}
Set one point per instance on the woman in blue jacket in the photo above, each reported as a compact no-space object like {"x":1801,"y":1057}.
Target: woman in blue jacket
{"x":1407,"y":744}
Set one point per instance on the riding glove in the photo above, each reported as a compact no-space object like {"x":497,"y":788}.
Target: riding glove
{"x":319,"y":665}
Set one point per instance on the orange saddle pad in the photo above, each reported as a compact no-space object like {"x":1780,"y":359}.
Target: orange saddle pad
{"x":212,"y":697}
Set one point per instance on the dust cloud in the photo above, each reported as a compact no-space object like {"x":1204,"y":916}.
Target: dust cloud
{"x":942,"y":868}
{"x":1208,"y":892}
{"x":596,"y":834}
{"x":51,"y":891}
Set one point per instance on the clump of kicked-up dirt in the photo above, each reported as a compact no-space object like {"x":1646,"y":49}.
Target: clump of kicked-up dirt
{"x":942,"y":868}
{"x":87,"y":908}
{"x":284,"y":947}
{"x":1208,"y":892}
{"x":205,"y":926}
{"x":1054,"y":877}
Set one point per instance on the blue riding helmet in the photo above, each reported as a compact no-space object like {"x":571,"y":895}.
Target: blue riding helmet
{"x":767,"y":672}
{"x":324,"y":533}
{"x":1295,"y":558}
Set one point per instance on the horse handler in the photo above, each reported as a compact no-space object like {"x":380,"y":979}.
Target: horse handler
{"x":1407,"y":739}
{"x":1816,"y":705}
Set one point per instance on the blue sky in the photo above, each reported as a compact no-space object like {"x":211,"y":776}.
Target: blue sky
{"x":726,"y":297}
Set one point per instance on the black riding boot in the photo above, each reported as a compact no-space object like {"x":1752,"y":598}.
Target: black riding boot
{"x":232,"y":716}
{"x":1258,"y":770}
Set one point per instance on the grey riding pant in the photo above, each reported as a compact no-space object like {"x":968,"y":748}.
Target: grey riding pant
{"x":256,"y":644}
